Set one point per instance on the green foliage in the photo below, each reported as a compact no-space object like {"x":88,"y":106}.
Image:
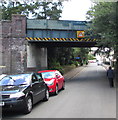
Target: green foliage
{"x":76,"y":63}
{"x":61,"y":54}
{"x":55,"y":65}
{"x":76,"y":51}
{"x":104,"y":23}
{"x":49,"y":10}
{"x":39,"y":10}
{"x":66,"y":56}
{"x":91,"y":57}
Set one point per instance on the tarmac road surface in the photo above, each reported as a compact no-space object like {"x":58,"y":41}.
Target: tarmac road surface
{"x":87,"y":95}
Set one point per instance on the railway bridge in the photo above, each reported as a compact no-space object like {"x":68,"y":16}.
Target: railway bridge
{"x":24,"y":42}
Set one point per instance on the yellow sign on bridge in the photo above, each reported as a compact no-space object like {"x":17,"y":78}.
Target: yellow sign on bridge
{"x":80,"y":34}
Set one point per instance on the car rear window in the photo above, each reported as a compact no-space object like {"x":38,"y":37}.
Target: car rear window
{"x":48,"y":75}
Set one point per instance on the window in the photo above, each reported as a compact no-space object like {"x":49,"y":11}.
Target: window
{"x":34,"y":79}
{"x":39,"y":77}
{"x":48,"y":75}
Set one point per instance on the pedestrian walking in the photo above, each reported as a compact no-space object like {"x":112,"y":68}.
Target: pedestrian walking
{"x":110,"y":75}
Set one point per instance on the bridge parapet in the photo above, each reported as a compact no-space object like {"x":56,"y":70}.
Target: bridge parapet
{"x":56,"y":24}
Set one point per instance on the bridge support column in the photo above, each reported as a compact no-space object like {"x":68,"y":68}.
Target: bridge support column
{"x":36,"y":58}
{"x":14,"y":45}
{"x":1,"y":51}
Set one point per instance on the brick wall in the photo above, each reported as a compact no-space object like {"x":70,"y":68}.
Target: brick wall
{"x":14,"y":45}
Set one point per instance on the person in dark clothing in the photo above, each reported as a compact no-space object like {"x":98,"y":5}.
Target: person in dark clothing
{"x":110,"y":75}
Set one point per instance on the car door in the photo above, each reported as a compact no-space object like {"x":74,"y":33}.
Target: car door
{"x":36,"y":88}
{"x":42,"y":85}
{"x":59,"y":79}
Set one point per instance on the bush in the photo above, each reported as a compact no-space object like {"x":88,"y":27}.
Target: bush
{"x":56,"y":66}
{"x":91,"y":57}
{"x":75,"y":63}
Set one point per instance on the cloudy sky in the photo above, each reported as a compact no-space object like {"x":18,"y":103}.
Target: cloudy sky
{"x":76,"y":9}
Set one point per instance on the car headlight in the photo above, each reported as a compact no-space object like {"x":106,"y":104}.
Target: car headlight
{"x":17,"y":95}
{"x":51,"y":82}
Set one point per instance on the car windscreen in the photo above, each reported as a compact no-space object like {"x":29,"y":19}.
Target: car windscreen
{"x":47,"y":75}
{"x":22,"y":79}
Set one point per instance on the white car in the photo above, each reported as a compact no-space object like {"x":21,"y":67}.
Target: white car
{"x":99,"y":62}
{"x":2,"y":75}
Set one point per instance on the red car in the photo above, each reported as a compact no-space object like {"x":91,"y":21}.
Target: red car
{"x":54,"y":80}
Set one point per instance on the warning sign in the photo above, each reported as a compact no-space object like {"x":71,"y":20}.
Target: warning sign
{"x":80,"y":34}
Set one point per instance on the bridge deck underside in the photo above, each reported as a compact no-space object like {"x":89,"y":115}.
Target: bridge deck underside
{"x":63,"y":44}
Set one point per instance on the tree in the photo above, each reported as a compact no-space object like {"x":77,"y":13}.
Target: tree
{"x":39,"y":10}
{"x":104,"y":23}
{"x":63,"y":55}
{"x":49,"y":10}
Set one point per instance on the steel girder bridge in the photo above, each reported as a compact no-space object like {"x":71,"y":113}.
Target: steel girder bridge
{"x":58,"y":33}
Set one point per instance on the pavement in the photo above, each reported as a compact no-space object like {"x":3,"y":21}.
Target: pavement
{"x":73,"y":72}
{"x":106,"y":66}
{"x":69,"y":75}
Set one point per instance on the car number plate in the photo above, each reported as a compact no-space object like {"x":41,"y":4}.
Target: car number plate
{"x":2,"y":103}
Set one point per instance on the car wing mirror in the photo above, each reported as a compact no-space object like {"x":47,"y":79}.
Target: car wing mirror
{"x":57,"y":76}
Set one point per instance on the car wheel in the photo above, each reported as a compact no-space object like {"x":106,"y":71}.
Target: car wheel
{"x":46,"y":98}
{"x":28,"y":105}
{"x":56,"y":90}
{"x":63,"y":87}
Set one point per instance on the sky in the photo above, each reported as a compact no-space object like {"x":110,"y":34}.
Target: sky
{"x":75,"y":9}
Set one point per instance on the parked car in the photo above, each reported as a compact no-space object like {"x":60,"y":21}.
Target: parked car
{"x":92,"y":61}
{"x":22,"y":91}
{"x":2,"y":75}
{"x":99,"y":62}
{"x":54,"y":80}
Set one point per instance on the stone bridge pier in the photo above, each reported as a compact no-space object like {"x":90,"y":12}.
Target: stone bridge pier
{"x":16,"y":54}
